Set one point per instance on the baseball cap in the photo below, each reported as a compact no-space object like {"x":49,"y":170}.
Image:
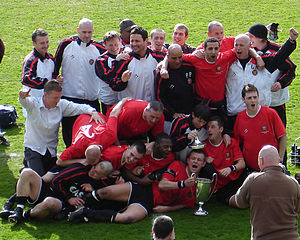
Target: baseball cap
{"x":259,"y":30}
{"x":126,"y":24}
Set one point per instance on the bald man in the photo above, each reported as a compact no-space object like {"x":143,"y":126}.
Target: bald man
{"x":176,"y":92}
{"x":244,"y":71}
{"x":273,"y":198}
{"x":76,"y":57}
{"x":215,"y":29}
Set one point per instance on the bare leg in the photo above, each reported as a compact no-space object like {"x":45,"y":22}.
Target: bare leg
{"x":48,"y":207}
{"x":29,"y":184}
{"x":119,"y":192}
{"x":133,"y":213}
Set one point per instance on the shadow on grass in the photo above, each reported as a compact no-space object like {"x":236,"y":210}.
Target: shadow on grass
{"x":7,"y":177}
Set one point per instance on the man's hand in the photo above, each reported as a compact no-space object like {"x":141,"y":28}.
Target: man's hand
{"x":76,"y":201}
{"x":122,"y":56}
{"x":199,"y":53}
{"x":227,"y":140}
{"x":60,"y":79}
{"x":149,"y":147}
{"x":96,"y":117}
{"x":193,"y":134}
{"x":189,"y":182}
{"x":160,"y":209}
{"x":209,"y":159}
{"x":260,"y":63}
{"x":164,"y":73}
{"x":176,"y":115}
{"x":145,"y":180}
{"x":126,"y":75}
{"x":293,"y":34}
{"x":119,"y":180}
{"x":23,"y":93}
{"x":225,"y":172}
{"x":275,"y":87}
{"x":87,"y":187}
{"x":138,"y":170}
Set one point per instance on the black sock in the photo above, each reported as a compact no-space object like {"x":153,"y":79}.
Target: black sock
{"x":106,"y":215}
{"x":21,"y":200}
{"x":26,"y":214}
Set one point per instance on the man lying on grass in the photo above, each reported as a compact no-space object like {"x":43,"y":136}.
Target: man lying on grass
{"x":176,"y":190}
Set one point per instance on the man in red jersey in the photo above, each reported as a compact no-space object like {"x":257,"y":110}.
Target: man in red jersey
{"x":257,"y":126}
{"x":228,"y":160}
{"x":154,"y":164}
{"x":211,"y":74}
{"x":176,"y":190}
{"x":215,"y":29}
{"x":139,"y":117}
{"x":86,"y":133}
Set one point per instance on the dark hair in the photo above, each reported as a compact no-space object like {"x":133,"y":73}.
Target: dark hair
{"x":140,"y":147}
{"x":162,"y":136}
{"x":38,"y":32}
{"x":217,"y":119}
{"x":52,"y":85}
{"x":249,"y":88}
{"x":199,"y":151}
{"x":162,"y":226}
{"x":110,"y":35}
{"x":156,"y":106}
{"x":202,"y":111}
{"x":212,"y":40}
{"x":139,"y":30}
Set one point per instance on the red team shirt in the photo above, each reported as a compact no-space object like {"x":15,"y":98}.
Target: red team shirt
{"x":114,"y":154}
{"x":211,"y":78}
{"x":150,"y":164}
{"x":255,"y":132}
{"x":85,"y":134}
{"x":131,"y":122}
{"x":183,"y":196}
{"x":227,"y":44}
{"x":224,"y":157}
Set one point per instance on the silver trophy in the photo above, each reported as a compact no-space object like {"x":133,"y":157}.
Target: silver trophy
{"x":197,"y":144}
{"x":204,"y":190}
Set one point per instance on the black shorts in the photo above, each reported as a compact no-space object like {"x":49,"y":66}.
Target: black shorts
{"x":45,"y":191}
{"x":141,"y":195}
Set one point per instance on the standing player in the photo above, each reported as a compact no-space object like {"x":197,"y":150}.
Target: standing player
{"x":180,"y":35}
{"x":76,"y":57}
{"x":215,"y":29}
{"x":38,"y":67}
{"x":257,"y":126}
{"x":104,"y":69}
{"x":157,"y":39}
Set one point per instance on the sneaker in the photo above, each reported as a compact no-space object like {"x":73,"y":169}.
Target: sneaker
{"x":8,"y":206}
{"x":5,"y":214}
{"x":16,"y":216}
{"x":78,"y":216}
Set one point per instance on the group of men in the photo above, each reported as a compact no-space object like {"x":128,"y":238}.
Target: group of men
{"x":136,"y":153}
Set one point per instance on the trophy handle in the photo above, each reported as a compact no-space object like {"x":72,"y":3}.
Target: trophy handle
{"x":214,"y":185}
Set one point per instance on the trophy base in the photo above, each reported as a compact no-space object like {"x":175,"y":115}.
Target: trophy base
{"x":200,"y":213}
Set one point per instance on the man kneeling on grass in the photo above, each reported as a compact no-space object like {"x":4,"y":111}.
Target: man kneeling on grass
{"x":176,"y":190}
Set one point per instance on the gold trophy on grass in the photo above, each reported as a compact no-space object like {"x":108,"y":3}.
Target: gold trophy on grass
{"x":204,"y":190}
